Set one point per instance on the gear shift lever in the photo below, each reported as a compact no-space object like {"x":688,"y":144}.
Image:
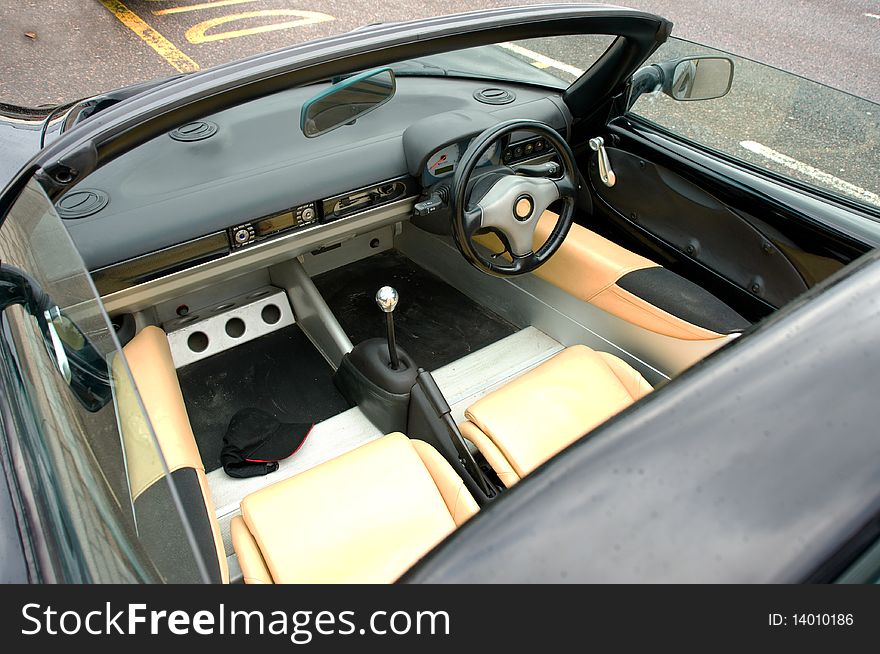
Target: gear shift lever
{"x":378,"y":376}
{"x":386,"y":298}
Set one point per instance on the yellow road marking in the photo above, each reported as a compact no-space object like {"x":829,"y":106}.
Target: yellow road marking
{"x":196,"y":34}
{"x":165,"y":48}
{"x":203,"y":5}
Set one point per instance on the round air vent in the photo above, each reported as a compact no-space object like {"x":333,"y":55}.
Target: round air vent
{"x":82,"y":203}
{"x":495,"y":96}
{"x":197,"y":131}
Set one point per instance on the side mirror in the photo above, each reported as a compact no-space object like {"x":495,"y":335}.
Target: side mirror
{"x":346,"y":101}
{"x":697,"y":78}
{"x":77,"y":360}
{"x":687,"y":79}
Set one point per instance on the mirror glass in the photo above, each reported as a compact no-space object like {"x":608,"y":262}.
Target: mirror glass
{"x":701,"y":78}
{"x":346,"y":101}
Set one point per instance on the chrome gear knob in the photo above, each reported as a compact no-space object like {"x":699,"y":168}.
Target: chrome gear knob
{"x":386,"y":298}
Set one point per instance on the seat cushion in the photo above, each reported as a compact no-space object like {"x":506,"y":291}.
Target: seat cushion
{"x":149,"y":358}
{"x":589,"y":267}
{"x":527,"y":421}
{"x":250,"y":559}
{"x":152,"y":369}
{"x":364,"y":517}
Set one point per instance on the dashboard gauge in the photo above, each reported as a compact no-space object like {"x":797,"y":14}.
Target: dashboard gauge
{"x":443,"y":162}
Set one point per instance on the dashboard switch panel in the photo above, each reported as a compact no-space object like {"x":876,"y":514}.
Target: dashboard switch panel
{"x":525,"y":150}
{"x":306,"y":214}
{"x":242,"y":235}
{"x":368,"y":198}
{"x":249,"y":233}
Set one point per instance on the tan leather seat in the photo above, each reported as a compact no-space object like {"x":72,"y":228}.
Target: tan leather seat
{"x":366,"y":516}
{"x":521,"y":425}
{"x":152,"y":368}
{"x":589,"y":267}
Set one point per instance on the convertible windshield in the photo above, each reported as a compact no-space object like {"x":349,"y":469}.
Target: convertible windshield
{"x":553,"y":61}
{"x":101,"y":479}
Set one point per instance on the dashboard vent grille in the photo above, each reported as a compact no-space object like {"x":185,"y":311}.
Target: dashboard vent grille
{"x":82,"y":203}
{"x":495,"y":96}
{"x":197,"y":131}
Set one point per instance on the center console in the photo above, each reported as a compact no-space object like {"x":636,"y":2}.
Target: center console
{"x":398,"y":396}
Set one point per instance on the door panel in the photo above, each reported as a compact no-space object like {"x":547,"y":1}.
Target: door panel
{"x":755,"y":195}
{"x":699,"y":225}
{"x":684,"y":193}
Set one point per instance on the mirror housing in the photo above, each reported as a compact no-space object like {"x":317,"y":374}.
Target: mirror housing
{"x":687,"y":80}
{"x":346,"y":101}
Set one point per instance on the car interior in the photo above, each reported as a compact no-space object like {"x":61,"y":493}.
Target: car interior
{"x":432,"y":284}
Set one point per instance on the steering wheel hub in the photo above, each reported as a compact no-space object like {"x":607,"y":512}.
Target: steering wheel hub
{"x":523,"y":207}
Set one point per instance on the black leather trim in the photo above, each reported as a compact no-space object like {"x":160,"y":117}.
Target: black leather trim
{"x":683,"y":299}
{"x":168,"y":548}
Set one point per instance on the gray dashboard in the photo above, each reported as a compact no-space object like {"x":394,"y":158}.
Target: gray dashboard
{"x":258,"y":162}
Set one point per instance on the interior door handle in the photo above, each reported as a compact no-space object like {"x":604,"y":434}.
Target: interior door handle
{"x":605,"y":173}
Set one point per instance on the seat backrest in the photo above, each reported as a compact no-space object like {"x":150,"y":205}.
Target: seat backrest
{"x":149,"y":359}
{"x":365,"y":516}
{"x":528,"y":420}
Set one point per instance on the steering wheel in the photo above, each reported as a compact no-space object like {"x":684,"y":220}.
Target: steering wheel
{"x":511,"y":204}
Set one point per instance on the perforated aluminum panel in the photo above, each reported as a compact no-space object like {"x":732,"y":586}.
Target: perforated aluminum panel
{"x":220,"y":327}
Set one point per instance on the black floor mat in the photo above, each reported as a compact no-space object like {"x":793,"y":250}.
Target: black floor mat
{"x":434,"y":323}
{"x":281,"y":373}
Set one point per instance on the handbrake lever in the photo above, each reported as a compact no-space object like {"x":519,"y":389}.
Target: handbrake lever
{"x":435,"y":398}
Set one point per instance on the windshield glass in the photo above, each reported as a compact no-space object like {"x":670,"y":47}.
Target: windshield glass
{"x":80,"y":424}
{"x":552,"y":61}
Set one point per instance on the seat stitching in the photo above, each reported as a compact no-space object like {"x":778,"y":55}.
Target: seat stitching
{"x":161,"y":475}
{"x":255,"y":579}
{"x":617,"y":376}
{"x":457,"y":503}
{"x":699,"y":333}
{"x":621,"y":275}
{"x":632,"y":373}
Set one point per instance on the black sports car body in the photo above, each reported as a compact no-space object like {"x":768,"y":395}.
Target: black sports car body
{"x":622,"y":334}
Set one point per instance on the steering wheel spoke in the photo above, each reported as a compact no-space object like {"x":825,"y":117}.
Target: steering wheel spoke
{"x":566,"y":186}
{"x":473,"y":220}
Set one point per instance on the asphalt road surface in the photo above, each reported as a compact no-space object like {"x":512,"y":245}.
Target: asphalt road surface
{"x":53,"y":51}
{"x":57,"y":50}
